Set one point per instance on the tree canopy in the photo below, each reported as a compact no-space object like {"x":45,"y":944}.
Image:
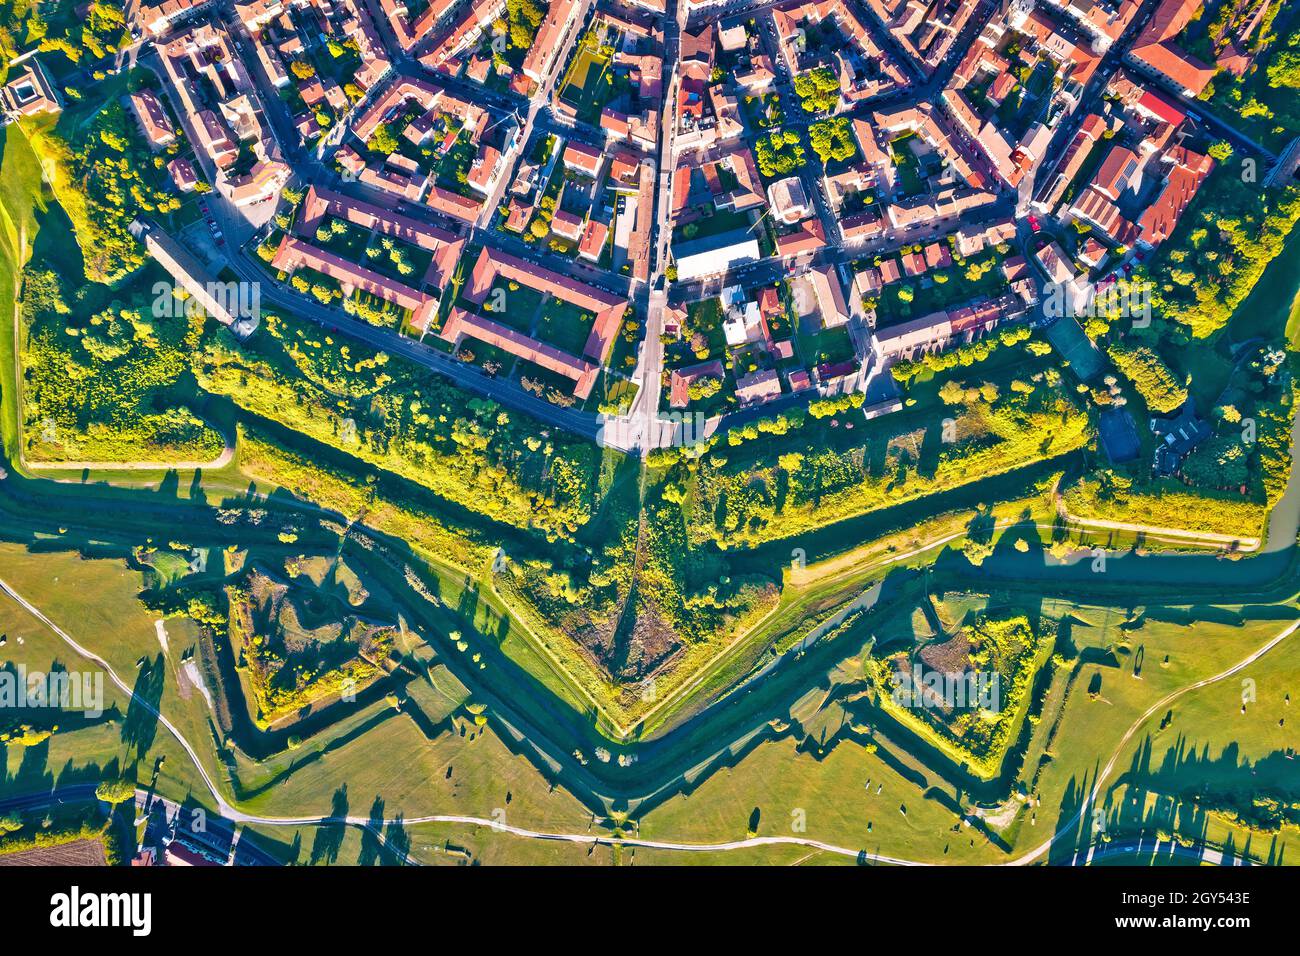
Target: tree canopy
{"x":818,"y":89}
{"x":832,"y":139}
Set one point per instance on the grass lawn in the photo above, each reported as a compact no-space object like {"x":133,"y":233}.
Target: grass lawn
{"x":1206,"y":750}
{"x":484,"y":354}
{"x":349,"y":241}
{"x":521,"y":305}
{"x":565,"y":326}
{"x":907,"y":165}
{"x":612,"y":390}
{"x":622,"y":357}
{"x":20,"y":192}
{"x":589,"y":83}
{"x":1205,"y":363}
{"x":1273,"y":306}
{"x":95,"y":601}
{"x":910,"y":810}
{"x":721,"y":221}
{"x":454,"y":165}
{"x":763,"y":112}
{"x":825,"y":346}
{"x":1106,"y":700}
{"x":930,"y":295}
{"x":828,"y":794}
{"x":703,"y":317}
{"x":463,"y":769}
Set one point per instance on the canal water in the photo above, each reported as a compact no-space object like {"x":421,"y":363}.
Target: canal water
{"x":1273,"y":304}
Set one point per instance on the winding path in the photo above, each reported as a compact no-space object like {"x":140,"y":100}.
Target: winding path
{"x":1164,"y":702}
{"x":227,"y":455}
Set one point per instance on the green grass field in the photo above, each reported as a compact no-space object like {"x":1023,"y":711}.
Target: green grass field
{"x":20,"y":202}
{"x":588,"y":85}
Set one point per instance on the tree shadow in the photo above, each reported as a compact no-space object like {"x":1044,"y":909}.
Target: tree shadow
{"x":329,"y":836}
{"x":140,"y":725}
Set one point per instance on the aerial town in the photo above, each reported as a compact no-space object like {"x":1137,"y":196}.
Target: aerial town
{"x":778,"y":202}
{"x":615,"y":402}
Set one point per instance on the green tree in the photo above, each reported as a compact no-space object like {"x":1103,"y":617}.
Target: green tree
{"x":779,"y":153}
{"x":832,"y":139}
{"x":1150,"y":376}
{"x":818,"y":89}
{"x":1220,"y":150}
{"x":382,"y":140}
{"x":1284,"y":71}
{"x":116,"y":791}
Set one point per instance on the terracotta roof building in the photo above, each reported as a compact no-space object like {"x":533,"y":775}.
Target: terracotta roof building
{"x":929,"y":333}
{"x":182,"y":174}
{"x":810,"y":236}
{"x":1186,"y":171}
{"x":453,"y":204}
{"x":606,"y":307}
{"x":830,"y":296}
{"x":566,"y":225}
{"x":592,"y":244}
{"x":585,"y":159}
{"x":546,"y":44}
{"x":459,"y":36}
{"x":153,"y":119}
{"x":681,"y":380}
{"x":760,"y":386}
{"x":156,"y":18}
{"x":1157,"y":50}
{"x":788,"y":201}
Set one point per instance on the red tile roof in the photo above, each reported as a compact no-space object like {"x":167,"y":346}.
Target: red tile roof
{"x":679,"y":383}
{"x":758,"y":386}
{"x":583,"y":373}
{"x":1157,"y":47}
{"x":566,"y":224}
{"x":547,"y":41}
{"x":1185,"y":177}
{"x":607,"y":307}
{"x":808,"y":237}
{"x":453,"y":204}
{"x":153,"y":118}
{"x":593,"y":239}
{"x":582,"y":157}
